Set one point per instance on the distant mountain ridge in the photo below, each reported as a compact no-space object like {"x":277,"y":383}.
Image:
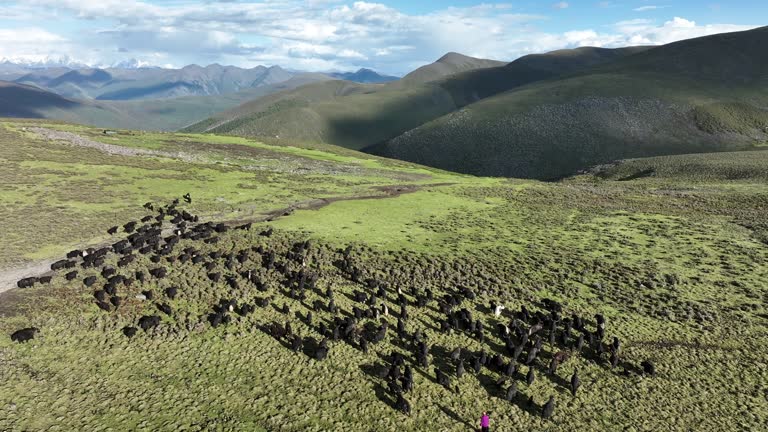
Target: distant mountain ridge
{"x":364,"y":76}
{"x":21,"y":100}
{"x":131,"y":81}
{"x":366,"y":116}
{"x":348,"y":114}
{"x":155,"y":83}
{"x":541,"y":116}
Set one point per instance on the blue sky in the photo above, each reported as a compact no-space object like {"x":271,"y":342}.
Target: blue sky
{"x":392,"y":36}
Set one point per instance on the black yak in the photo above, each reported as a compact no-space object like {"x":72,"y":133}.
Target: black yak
{"x":129,"y":331}
{"x":511,"y":392}
{"x":100,"y":295}
{"x":553,"y":366}
{"x":442,"y":378}
{"x":149,"y":321}
{"x":407,"y":379}
{"x":530,"y":377}
{"x":322,"y":351}
{"x":402,"y":404}
{"x":24,"y":334}
{"x":26,"y":282}
{"x":575,"y":382}
{"x":159,"y":272}
{"x":648,"y":367}
{"x":129,"y":227}
{"x":58,"y":265}
{"x":456,"y":354}
{"x":171,"y":292}
{"x":164,"y":308}
{"x":549,"y":408}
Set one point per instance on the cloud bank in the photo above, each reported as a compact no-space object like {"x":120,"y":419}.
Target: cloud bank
{"x":304,"y":34}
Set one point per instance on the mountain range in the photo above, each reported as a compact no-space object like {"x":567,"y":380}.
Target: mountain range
{"x":541,"y":116}
{"x":153,"y":83}
{"x":131,"y":96}
{"x":349,"y":114}
{"x":167,"y":114}
{"x":366,"y":76}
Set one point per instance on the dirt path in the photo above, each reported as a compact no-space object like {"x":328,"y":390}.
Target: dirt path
{"x":318,"y":203}
{"x":80,"y":141}
{"x":9,"y":277}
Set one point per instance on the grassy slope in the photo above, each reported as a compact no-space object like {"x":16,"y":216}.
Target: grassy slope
{"x":361,"y":116}
{"x":346,"y":114}
{"x":241,"y":179}
{"x":447,"y":65}
{"x":674,"y":262}
{"x":700,"y":95}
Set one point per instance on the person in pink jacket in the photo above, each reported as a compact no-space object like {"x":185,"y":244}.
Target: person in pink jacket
{"x":485,"y":422}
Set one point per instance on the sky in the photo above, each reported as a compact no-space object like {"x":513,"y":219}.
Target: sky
{"x":390,"y":36}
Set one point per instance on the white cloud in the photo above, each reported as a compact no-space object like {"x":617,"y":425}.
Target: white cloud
{"x":309,"y":34}
{"x":561,"y":5}
{"x":30,"y":44}
{"x":648,"y":8}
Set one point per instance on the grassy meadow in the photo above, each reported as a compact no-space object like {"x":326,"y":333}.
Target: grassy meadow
{"x":672,"y":251}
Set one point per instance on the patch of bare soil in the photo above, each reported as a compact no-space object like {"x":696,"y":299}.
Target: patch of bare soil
{"x":77,"y":140}
{"x":9,"y":277}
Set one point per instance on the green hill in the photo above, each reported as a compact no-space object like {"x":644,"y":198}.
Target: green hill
{"x":348,"y":114}
{"x":357,"y":116}
{"x":447,"y":65}
{"x":702,"y":95}
{"x":542,"y":116}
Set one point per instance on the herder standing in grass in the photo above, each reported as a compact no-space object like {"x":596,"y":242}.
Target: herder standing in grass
{"x":485,"y":422}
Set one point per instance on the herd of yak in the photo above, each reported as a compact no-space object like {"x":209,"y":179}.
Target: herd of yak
{"x":524,"y":334}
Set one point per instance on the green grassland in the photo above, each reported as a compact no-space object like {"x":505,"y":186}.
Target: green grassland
{"x":58,"y":194}
{"x":676,"y":261}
